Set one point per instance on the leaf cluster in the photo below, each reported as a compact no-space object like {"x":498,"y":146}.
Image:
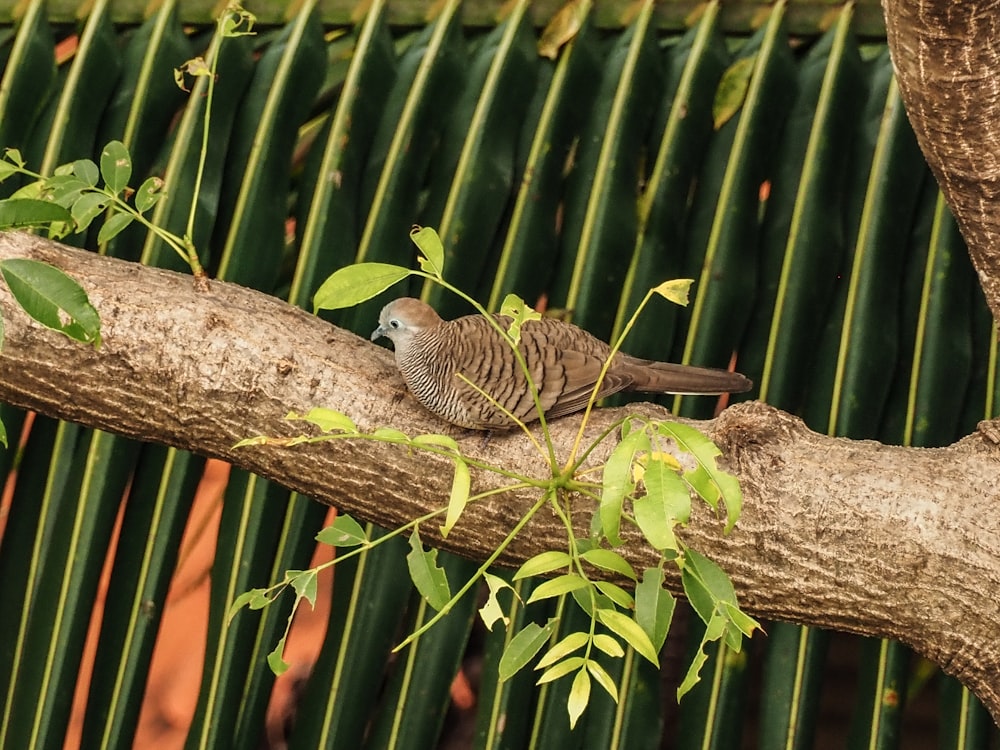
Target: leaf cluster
{"x":643,"y":486}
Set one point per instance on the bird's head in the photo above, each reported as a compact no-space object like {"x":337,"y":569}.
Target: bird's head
{"x":403,"y":319}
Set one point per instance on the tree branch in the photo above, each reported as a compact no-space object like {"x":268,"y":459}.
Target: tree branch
{"x":946,"y":55}
{"x":854,"y":535}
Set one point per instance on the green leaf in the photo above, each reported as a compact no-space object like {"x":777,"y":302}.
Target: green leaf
{"x":732,"y":90}
{"x":328,"y":420}
{"x":616,"y":593}
{"x":274,"y":660}
{"x":427,"y":241}
{"x":544,"y":562}
{"x":46,"y":293}
{"x":116,"y":166}
{"x":515,"y":308}
{"x":557,"y":586}
{"x":565,"y":647}
{"x":64,"y":189}
{"x":3,"y":429}
{"x":247,"y":599}
{"x":705,"y":585}
{"x":459,"y":496}
{"x":7,"y":169}
{"x":600,"y":674}
{"x":28,"y":212}
{"x":304,"y":583}
{"x":442,"y":441}
{"x":666,"y":503}
{"x":609,"y":560}
{"x":561,"y":669}
{"x":343,"y":532}
{"x":675,"y":290}
{"x":630,"y":631}
{"x":148,"y":194}
{"x":523,"y":647}
{"x":608,"y":645}
{"x":353,"y":284}
{"x":710,"y":482}
{"x":14,"y":155}
{"x":429,"y":578}
{"x":617,"y":482}
{"x":88,"y":207}
{"x":579,"y":697}
{"x":86,"y":171}
{"x":654,"y":606}
{"x":390,"y":435}
{"x":714,"y":630}
{"x":492,"y":611}
{"x":113,"y":226}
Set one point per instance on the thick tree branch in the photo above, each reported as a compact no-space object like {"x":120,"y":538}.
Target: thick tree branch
{"x":946,"y":55}
{"x":887,"y":541}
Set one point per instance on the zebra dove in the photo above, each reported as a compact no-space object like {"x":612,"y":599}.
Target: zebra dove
{"x":564,"y":360}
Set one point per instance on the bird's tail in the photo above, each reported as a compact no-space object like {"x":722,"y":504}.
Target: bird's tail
{"x":666,"y":377}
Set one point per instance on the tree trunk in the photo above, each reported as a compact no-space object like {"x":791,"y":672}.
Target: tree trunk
{"x":896,"y":542}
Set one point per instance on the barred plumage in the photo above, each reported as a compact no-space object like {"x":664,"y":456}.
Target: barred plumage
{"x":565,"y":361}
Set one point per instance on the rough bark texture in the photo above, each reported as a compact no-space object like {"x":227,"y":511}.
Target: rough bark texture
{"x":887,"y":541}
{"x":947,"y":56}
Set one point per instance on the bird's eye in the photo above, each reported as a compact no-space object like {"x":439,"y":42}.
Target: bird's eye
{"x":394,"y":323}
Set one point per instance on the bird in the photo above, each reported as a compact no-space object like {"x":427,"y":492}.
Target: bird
{"x":437,"y":357}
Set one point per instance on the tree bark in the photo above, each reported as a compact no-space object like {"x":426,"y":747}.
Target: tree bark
{"x":886,"y":541}
{"x":946,"y":55}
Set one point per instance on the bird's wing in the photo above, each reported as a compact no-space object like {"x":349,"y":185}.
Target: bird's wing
{"x":580,"y":372}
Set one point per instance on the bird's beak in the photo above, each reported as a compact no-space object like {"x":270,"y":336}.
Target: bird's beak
{"x":378,"y":333}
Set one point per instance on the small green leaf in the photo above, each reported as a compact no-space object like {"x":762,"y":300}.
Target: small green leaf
{"x":616,"y":593}
{"x":46,"y":294}
{"x":667,"y":502}
{"x":515,"y":308}
{"x":431,"y":249}
{"x":274,"y":660}
{"x":86,"y":170}
{"x":654,"y":606}
{"x":390,"y":435}
{"x":304,"y":583}
{"x":88,"y":207}
{"x":13,"y":155}
{"x":565,"y":647}
{"x":492,"y":611}
{"x":459,"y":496}
{"x":113,"y":226}
{"x":608,"y":645}
{"x":544,"y":562}
{"x":429,"y":578}
{"x":246,"y":599}
{"x":714,"y":630}
{"x":3,"y":429}
{"x":607,"y":559}
{"x":706,"y":585}
{"x":343,"y":532}
{"x":561,"y":669}
{"x":617,"y":482}
{"x":148,"y":194}
{"x":441,"y":441}
{"x":557,"y":586}
{"x":354,"y":284}
{"x":116,"y":166}
{"x":16,"y":213}
{"x":523,"y":647}
{"x":600,"y":674}
{"x":579,"y":697}
{"x":732,"y":90}
{"x":629,"y":630}
{"x":328,"y":420}
{"x":64,"y":189}
{"x":675,"y":290}
{"x":7,"y":169}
